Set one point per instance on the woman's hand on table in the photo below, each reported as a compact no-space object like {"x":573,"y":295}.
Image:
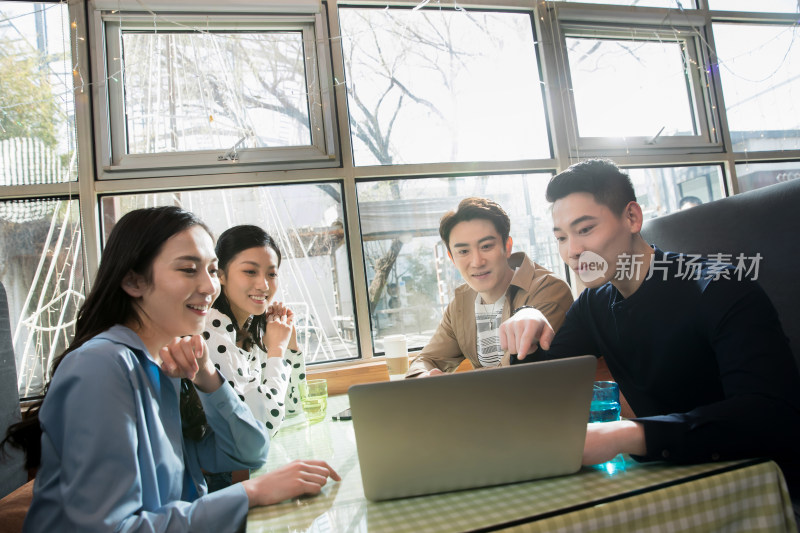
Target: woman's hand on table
{"x":289,"y":481}
{"x":605,"y":440}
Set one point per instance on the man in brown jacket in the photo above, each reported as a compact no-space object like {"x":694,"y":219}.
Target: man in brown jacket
{"x":498,"y":284}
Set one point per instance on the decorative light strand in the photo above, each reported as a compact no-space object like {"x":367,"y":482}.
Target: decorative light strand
{"x":318,"y":86}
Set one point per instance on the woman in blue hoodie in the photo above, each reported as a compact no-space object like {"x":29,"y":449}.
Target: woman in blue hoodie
{"x":113,"y":452}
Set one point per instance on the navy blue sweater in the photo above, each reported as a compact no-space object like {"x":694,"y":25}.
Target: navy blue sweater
{"x":703,"y":362}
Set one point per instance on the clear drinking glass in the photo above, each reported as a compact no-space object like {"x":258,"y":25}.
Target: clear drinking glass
{"x":314,"y":396}
{"x":605,"y":402}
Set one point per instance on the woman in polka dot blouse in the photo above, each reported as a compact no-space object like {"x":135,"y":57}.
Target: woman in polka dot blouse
{"x":251,"y":339}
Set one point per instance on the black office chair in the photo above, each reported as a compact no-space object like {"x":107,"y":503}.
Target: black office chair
{"x":765,"y":222}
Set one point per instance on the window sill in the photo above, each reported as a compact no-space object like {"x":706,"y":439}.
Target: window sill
{"x":342,"y":378}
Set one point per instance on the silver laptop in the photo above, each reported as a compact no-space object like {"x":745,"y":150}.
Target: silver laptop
{"x":472,"y":429}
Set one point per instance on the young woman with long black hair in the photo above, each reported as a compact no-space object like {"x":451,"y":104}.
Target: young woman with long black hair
{"x":113,"y":453}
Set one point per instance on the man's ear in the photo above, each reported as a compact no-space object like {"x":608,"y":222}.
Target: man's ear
{"x":133,"y":284}
{"x":509,"y":242}
{"x":633,"y":216}
{"x":451,"y":257}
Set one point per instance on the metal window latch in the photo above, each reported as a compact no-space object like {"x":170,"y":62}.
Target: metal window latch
{"x":654,"y":140}
{"x":233,"y":154}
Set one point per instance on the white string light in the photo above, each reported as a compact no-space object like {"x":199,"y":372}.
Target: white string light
{"x":157,"y":17}
{"x":318,"y":87}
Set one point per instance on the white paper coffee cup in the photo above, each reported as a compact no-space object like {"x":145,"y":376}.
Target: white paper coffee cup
{"x":395,"y":348}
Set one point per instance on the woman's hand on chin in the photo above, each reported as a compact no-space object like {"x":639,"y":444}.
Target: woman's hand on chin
{"x":280,"y":324}
{"x":187,"y":357}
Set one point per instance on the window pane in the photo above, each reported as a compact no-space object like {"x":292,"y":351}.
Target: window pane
{"x":306,"y":221}
{"x":760,"y":67}
{"x":756,"y":175}
{"x":439,"y":86}
{"x":762,"y":6}
{"x":209,"y":90}
{"x":41,"y":268}
{"x":662,"y":191}
{"x":411,"y":279}
{"x":685,"y":4}
{"x":37,"y":117}
{"x":630,"y":88}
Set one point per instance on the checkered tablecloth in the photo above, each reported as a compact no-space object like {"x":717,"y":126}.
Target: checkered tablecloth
{"x":620,"y":496}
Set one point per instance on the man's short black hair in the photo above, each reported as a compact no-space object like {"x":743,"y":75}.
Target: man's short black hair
{"x":601,"y":178}
{"x":470,"y":209}
{"x":687,"y":200}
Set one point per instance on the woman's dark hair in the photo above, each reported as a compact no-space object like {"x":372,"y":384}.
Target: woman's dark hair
{"x":134,"y":243}
{"x":232,"y":242}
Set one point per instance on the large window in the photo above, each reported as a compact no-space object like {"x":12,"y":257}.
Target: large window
{"x":753,"y":175}
{"x":665,"y":190}
{"x":760,"y":69}
{"x":249,"y":88}
{"x":188,"y":90}
{"x":41,"y":262}
{"x":427,"y":86}
{"x":764,"y":6}
{"x":37,"y":118}
{"x":41,"y":269}
{"x":306,"y":221}
{"x":686,"y":4}
{"x":411,"y":278}
{"x":347,"y":129}
{"x":640,"y":89}
{"x":616,"y":81}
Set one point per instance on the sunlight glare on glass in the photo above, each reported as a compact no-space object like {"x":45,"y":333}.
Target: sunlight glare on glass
{"x":306,"y":221}
{"x":626,"y":88}
{"x":675,"y":4}
{"x":759,"y":66}
{"x":761,"y":6}
{"x":203,"y":91}
{"x":37,"y":108}
{"x":446,"y":86}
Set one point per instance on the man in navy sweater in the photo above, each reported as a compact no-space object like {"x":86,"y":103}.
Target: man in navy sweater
{"x":696,"y":347}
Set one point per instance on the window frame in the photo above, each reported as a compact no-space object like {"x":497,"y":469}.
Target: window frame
{"x":749,"y":19}
{"x":88,"y":89}
{"x":507,"y":7}
{"x":113,"y":161}
{"x":620,"y":22}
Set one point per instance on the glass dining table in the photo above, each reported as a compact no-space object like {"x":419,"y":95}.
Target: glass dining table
{"x":622,"y":495}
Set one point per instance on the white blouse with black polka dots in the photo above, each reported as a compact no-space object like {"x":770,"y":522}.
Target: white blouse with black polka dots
{"x":268,"y":385}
